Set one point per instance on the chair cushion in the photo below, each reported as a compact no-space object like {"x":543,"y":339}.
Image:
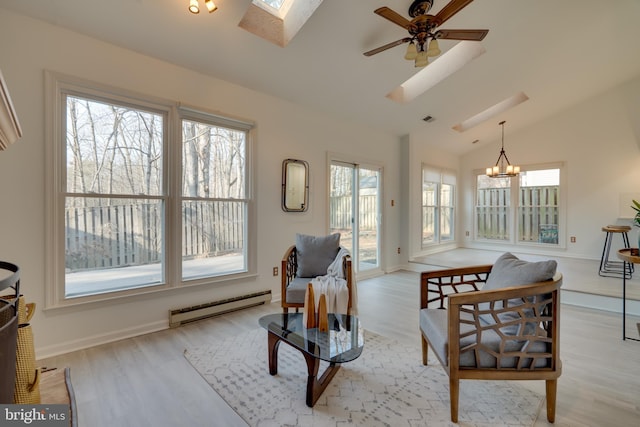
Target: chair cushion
{"x":297,"y":289}
{"x":433,"y":323}
{"x":508,"y":271}
{"x":315,"y":254}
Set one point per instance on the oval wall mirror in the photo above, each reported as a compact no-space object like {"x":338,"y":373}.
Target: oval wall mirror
{"x":295,"y":185}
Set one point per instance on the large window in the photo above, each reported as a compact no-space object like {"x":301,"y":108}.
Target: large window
{"x":136,"y":205}
{"x":522,"y":209}
{"x":438,"y":206}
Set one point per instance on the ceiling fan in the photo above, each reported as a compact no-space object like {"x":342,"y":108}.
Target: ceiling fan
{"x":424,"y":27}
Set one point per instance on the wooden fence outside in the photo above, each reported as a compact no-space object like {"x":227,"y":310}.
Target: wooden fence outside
{"x":341,"y":212}
{"x":537,"y":217}
{"x":130,"y":234}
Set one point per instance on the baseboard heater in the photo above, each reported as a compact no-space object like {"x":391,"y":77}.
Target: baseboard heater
{"x":202,"y":311}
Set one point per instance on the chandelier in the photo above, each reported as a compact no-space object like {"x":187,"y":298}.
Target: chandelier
{"x":503,"y":168}
{"x":194,"y":7}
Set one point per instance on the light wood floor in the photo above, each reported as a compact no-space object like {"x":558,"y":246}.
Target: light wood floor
{"x":145,"y":381}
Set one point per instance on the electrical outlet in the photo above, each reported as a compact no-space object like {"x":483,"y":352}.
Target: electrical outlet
{"x":275,"y":271}
{"x":398,"y":250}
{"x":466,"y":233}
{"x":573,"y":239}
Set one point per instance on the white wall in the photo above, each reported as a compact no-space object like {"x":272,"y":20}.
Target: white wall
{"x":598,"y":140}
{"x":284,"y":130}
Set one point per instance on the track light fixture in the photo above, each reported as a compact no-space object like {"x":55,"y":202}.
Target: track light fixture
{"x":194,"y":6}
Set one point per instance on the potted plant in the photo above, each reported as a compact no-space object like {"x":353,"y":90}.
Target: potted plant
{"x":636,"y":218}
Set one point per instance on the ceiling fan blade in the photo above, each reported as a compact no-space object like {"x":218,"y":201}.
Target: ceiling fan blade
{"x":392,"y":16}
{"x":451,"y":9}
{"x":387,"y":46}
{"x":472,"y":35}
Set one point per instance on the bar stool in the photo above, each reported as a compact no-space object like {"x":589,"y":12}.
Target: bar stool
{"x":610,"y":268}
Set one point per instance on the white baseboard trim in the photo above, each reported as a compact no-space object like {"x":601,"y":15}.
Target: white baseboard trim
{"x":92,"y":341}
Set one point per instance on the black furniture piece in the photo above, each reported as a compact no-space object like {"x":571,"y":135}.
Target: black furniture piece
{"x":9,"y":280}
{"x":610,"y":268}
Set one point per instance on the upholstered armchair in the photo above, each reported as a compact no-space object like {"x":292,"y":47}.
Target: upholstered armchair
{"x":311,"y":257}
{"x":497,"y":322}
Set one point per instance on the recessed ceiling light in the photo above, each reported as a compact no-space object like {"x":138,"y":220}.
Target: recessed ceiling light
{"x":492,"y":111}
{"x":447,"y":64}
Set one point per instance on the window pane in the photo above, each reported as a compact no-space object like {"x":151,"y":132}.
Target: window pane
{"x":212,"y":238}
{"x":213,"y":205}
{"x":112,"y":149}
{"x":368,"y":219}
{"x":538,"y":211}
{"x":492,"y":207}
{"x":112,"y":244}
{"x":213,"y":161}
{"x":446,"y":212}
{"x":429,"y":205}
{"x":341,"y":194}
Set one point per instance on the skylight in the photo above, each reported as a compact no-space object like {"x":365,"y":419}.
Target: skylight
{"x":277,"y":21}
{"x":492,"y":111}
{"x":276,"y":4}
{"x":447,"y":64}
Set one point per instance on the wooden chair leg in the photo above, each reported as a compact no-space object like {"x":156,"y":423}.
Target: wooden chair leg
{"x":551,"y":387}
{"x":454,"y":390}
{"x":425,"y":351}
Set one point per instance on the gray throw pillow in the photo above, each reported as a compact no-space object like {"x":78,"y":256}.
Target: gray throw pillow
{"x":507,"y":271}
{"x":315,"y":254}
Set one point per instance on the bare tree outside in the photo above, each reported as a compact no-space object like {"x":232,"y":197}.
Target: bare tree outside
{"x":115,"y":206}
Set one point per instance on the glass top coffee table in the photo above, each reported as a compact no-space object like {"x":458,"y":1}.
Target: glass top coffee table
{"x":343,"y":342}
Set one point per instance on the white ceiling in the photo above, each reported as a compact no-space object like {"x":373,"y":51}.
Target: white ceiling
{"x":557,"y":52}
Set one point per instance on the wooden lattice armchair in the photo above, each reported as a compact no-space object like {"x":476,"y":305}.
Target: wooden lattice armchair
{"x":511,"y":333}
{"x":294,"y":288}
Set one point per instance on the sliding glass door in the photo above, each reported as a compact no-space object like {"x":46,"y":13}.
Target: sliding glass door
{"x":355,"y":211}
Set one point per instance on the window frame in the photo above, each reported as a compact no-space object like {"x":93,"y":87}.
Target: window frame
{"x":444,"y":177}
{"x":514,"y":207}
{"x":57,"y":87}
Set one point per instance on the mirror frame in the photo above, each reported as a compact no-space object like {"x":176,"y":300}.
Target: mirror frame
{"x":295,"y":185}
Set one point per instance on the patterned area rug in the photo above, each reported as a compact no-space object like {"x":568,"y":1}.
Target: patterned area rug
{"x":386,"y":386}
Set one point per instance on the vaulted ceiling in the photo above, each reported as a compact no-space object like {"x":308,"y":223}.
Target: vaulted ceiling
{"x":557,"y":52}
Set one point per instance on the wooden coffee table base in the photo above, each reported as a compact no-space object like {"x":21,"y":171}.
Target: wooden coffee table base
{"x":315,"y":385}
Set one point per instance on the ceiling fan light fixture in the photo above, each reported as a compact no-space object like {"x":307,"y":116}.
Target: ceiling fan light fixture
{"x":412,"y":52}
{"x":211,"y":6}
{"x":194,"y":7}
{"x":422,"y":60}
{"x":434,"y":49}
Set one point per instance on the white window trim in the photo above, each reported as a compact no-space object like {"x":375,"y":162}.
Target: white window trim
{"x":438,"y":242}
{"x":55,"y":85}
